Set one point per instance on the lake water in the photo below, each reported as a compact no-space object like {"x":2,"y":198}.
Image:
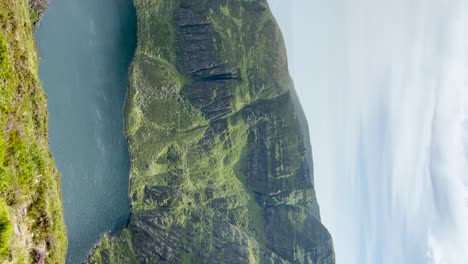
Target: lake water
{"x":85,"y":48}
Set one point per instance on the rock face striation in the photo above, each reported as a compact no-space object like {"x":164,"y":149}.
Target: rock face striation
{"x":221,"y":165}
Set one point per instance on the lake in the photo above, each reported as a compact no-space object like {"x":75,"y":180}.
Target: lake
{"x":85,"y":48}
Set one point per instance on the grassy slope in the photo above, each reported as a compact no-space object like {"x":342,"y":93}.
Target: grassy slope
{"x":31,"y":223}
{"x":211,"y":164}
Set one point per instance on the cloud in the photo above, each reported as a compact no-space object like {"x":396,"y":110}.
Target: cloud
{"x":448,"y":229}
{"x":409,"y":83}
{"x":429,"y":108}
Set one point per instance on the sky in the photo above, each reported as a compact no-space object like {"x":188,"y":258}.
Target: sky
{"x":384,"y":85}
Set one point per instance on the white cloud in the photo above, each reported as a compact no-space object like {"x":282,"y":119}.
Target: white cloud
{"x":448,"y":230}
{"x":427,"y":90}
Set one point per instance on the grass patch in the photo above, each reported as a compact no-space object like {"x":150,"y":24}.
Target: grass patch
{"x":35,"y":16}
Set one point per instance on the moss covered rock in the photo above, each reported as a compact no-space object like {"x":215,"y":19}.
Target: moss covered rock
{"x":221,"y":164}
{"x":37,"y":9}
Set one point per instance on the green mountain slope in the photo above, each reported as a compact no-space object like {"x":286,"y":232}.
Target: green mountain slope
{"x":221,"y":169}
{"x":31,"y":222}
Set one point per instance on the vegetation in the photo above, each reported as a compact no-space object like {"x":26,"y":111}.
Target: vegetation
{"x":34,"y":16}
{"x":5,"y":228}
{"x":31,"y":218}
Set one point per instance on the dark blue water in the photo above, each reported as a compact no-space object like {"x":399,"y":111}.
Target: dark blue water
{"x":85,"y":48}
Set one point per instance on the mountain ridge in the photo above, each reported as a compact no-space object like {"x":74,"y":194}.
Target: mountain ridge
{"x":219,"y":170}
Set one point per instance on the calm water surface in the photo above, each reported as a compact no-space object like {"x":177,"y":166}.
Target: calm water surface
{"x":85,"y":48}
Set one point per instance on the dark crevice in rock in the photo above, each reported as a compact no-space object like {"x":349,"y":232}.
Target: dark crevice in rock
{"x":219,"y":77}
{"x":196,"y":25}
{"x":216,"y":69}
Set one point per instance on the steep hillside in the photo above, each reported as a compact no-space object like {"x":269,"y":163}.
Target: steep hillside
{"x":221,"y":167}
{"x":31,"y":224}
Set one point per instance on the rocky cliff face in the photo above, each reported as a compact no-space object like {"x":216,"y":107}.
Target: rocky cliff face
{"x":221,"y":167}
{"x":31,"y":222}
